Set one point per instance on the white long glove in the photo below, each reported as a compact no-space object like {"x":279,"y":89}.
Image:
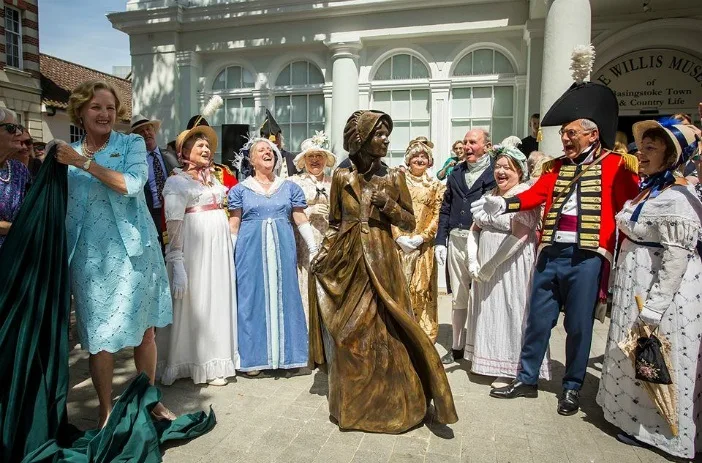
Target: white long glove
{"x":509,"y":247}
{"x":180,"y":280}
{"x":174,"y":255}
{"x":405,"y":244}
{"x":440,"y":253}
{"x":673,"y":266}
{"x":492,"y":205}
{"x":472,"y":251}
{"x":307,"y":234}
{"x":317,"y":209}
{"x":416,"y":241}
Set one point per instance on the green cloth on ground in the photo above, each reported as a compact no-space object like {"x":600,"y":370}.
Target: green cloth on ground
{"x":34,"y":324}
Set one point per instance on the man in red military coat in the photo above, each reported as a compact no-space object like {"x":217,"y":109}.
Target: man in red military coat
{"x":582,"y":191}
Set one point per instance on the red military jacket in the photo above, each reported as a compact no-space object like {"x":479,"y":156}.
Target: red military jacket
{"x":602,"y":191}
{"x":225,"y":176}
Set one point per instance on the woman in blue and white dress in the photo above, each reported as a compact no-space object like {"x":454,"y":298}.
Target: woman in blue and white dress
{"x":659,"y":262}
{"x":271,"y":321}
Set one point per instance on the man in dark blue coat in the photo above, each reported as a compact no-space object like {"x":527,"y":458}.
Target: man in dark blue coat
{"x":468,"y":181}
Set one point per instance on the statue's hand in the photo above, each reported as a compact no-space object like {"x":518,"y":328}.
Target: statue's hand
{"x":379,"y":198}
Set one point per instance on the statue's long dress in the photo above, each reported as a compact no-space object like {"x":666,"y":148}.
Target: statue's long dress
{"x":383,"y":369}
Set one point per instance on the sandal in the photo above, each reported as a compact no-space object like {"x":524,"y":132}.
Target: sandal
{"x":163,"y":414}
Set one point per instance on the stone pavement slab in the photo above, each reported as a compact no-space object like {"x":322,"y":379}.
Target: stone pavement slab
{"x":282,"y":417}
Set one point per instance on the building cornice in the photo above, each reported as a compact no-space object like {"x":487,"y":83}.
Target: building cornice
{"x":251,"y":12}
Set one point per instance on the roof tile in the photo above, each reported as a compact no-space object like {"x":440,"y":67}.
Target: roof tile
{"x":60,"y":77}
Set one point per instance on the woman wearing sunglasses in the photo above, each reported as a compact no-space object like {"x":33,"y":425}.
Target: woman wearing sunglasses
{"x":14,"y":176}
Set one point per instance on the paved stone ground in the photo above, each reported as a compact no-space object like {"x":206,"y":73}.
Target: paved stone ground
{"x":286,"y":419}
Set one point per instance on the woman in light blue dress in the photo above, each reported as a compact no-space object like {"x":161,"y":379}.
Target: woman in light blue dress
{"x":118,"y":277}
{"x":271,"y":321}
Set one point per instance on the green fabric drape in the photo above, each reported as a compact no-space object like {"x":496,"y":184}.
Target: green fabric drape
{"x":34,"y":324}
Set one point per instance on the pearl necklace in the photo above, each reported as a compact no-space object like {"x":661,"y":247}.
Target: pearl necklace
{"x":263,"y":183}
{"x":90,"y":154}
{"x":9,"y":173}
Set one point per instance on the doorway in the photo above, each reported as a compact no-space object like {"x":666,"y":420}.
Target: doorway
{"x":234,"y":137}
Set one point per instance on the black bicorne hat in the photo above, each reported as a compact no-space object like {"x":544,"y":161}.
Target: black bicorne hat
{"x":587,"y":100}
{"x":270,"y":128}
{"x":196,"y":118}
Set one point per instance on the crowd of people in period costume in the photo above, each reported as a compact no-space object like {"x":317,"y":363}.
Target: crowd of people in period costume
{"x":286,"y":261}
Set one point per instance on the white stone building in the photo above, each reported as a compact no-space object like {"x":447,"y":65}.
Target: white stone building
{"x":438,"y":67}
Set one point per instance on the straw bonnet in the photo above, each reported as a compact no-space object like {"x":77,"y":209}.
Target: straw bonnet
{"x":206,"y":130}
{"x":683,"y":137}
{"x":317,"y":143}
{"x":139,"y":120}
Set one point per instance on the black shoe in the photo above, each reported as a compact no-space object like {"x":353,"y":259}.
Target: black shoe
{"x":451,"y":356}
{"x":569,"y":402}
{"x":516,"y":389}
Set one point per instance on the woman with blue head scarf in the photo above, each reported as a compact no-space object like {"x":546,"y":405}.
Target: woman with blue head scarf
{"x":658,"y":263}
{"x":501,"y":256}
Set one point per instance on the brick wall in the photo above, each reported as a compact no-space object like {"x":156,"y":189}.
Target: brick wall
{"x":29,"y":11}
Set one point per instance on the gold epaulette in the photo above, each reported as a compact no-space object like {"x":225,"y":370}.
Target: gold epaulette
{"x":548,"y":166}
{"x":630,"y":161}
{"x":223,"y":167}
{"x":218,"y":173}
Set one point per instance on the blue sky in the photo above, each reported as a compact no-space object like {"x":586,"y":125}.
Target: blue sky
{"x":78,"y":31}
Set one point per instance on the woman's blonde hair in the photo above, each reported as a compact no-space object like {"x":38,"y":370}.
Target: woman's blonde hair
{"x":85,"y":92}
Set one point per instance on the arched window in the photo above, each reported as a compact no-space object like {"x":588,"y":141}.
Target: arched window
{"x":411,"y":114}
{"x":235,"y":85}
{"x":482,"y":62}
{"x":408,"y":103}
{"x":299,"y":102}
{"x":487,"y":104}
{"x":402,"y":66}
{"x":233,"y":78}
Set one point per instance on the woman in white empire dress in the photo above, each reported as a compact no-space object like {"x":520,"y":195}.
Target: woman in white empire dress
{"x":501,"y":259}
{"x":202,"y":342}
{"x":660,"y":263}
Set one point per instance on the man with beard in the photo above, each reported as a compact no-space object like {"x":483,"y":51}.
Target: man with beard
{"x":161,"y":163}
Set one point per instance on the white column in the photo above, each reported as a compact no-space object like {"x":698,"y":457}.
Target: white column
{"x":534,"y":38}
{"x":364,"y":98}
{"x":344,"y":91}
{"x":189,"y":72}
{"x":328,"y":109}
{"x":440,"y":122}
{"x":568,"y":23}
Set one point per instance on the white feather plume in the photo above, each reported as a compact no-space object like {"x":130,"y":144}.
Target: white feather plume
{"x":212,"y":106}
{"x":581,"y":62}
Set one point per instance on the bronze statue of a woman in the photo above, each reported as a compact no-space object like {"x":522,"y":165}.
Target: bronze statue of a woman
{"x":383,"y":369}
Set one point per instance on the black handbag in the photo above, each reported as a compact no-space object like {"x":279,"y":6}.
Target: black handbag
{"x":650,"y":365}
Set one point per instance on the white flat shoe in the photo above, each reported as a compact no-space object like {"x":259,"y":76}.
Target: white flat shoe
{"x":252,"y":373}
{"x":218,"y":382}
